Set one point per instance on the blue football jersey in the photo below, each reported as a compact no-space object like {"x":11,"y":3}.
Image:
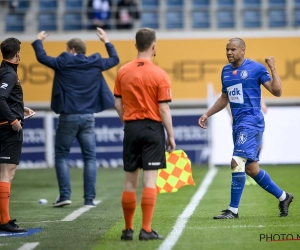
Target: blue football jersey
{"x":242,"y":86}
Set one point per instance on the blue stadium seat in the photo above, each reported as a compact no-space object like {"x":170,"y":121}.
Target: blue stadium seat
{"x":252,"y":19}
{"x":73,"y":5}
{"x":18,"y":6}
{"x":72,"y":21}
{"x":226,"y":19}
{"x":297,"y":17}
{"x":14,"y":22}
{"x":252,"y":3}
{"x":297,"y":3}
{"x":23,"y":5}
{"x":174,"y":20}
{"x":150,"y":4}
{"x":48,"y":5}
{"x":201,"y":3}
{"x":226,"y":3}
{"x":47,"y":21}
{"x":277,"y":3}
{"x":150,"y":20}
{"x":174,"y":3}
{"x":277,"y":18}
{"x":200,"y":19}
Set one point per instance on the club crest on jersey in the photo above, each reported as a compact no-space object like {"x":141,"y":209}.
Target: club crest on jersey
{"x":244,"y":74}
{"x":242,"y":138}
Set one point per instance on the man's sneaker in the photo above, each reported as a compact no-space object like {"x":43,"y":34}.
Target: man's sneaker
{"x":12,"y":227}
{"x":227,"y":214}
{"x":284,"y":205}
{"x":89,"y":203}
{"x":127,"y":234}
{"x":60,"y":202}
{"x":149,"y":236}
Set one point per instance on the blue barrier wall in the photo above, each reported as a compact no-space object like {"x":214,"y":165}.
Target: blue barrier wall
{"x":109,"y":136}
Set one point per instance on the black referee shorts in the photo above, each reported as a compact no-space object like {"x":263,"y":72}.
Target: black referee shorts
{"x":10,"y":145}
{"x":144,"y":145}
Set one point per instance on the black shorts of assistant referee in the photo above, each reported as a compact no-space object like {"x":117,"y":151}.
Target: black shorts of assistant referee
{"x":144,"y":145}
{"x":10,"y":145}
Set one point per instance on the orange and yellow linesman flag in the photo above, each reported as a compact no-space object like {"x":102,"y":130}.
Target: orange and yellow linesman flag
{"x":177,"y":174}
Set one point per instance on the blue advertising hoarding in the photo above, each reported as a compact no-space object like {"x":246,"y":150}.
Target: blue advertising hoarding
{"x":34,"y":141}
{"x":109,"y":136}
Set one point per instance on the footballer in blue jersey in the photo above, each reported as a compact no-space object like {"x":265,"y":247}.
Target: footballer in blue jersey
{"x":241,"y":87}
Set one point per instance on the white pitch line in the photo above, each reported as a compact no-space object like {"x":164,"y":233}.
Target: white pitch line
{"x":79,"y":212}
{"x":29,"y":246}
{"x":174,"y":235}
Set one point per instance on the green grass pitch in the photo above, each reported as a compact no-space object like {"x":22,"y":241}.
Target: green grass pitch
{"x":100,"y":227}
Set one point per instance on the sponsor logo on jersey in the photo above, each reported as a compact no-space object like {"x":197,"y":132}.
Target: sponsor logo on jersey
{"x":242,"y":138}
{"x":244,"y":74}
{"x":234,"y":72}
{"x":4,"y":85}
{"x":235,"y":93}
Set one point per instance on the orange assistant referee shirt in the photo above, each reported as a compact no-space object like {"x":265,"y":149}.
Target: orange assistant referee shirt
{"x":142,"y":85}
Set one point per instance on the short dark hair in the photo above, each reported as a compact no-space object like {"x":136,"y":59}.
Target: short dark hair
{"x":144,"y":39}
{"x":10,"y":47}
{"x":240,"y":40}
{"x":78,"y":45}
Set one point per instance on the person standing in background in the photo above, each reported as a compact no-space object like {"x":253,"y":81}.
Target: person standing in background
{"x":98,"y":14}
{"x":126,"y":14}
{"x":12,"y":112}
{"x":142,"y":92}
{"x":79,"y":91}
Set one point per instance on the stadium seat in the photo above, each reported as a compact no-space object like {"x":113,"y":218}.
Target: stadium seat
{"x":150,"y":20}
{"x":296,"y":3}
{"x":277,"y":18}
{"x":73,"y":5}
{"x":201,"y":3}
{"x":150,"y":4}
{"x":297,"y":17}
{"x":200,"y":19}
{"x":174,"y":3}
{"x":252,"y":3}
{"x":226,"y":19}
{"x":48,"y":5}
{"x":47,"y":21}
{"x":14,"y":22}
{"x":72,"y":21}
{"x":226,"y":3}
{"x":174,"y":20}
{"x":252,"y":19}
{"x":23,"y":5}
{"x":277,"y":3}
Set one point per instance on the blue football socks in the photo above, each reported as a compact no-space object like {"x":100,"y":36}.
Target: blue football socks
{"x":237,"y":187}
{"x":264,"y":180}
